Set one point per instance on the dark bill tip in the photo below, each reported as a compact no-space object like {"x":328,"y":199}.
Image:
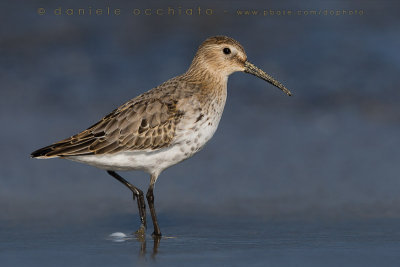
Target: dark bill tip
{"x":250,"y":68}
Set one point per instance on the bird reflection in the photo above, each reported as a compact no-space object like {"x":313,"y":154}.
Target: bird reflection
{"x":143,"y":245}
{"x":141,"y":238}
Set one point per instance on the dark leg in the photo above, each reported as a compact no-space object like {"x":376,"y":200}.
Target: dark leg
{"x":140,"y":200}
{"x":150,"y":200}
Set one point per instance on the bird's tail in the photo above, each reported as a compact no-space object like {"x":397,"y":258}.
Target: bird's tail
{"x":44,"y":153}
{"x":68,"y":147}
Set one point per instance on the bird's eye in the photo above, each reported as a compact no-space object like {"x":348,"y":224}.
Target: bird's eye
{"x":226,"y":51}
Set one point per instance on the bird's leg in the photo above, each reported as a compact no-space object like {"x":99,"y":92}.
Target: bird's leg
{"x":150,"y":200}
{"x":140,"y":201}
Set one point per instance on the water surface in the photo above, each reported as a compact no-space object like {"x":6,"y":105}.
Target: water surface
{"x":204,"y":242}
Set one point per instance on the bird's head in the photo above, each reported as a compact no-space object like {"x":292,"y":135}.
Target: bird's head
{"x":221,"y":55}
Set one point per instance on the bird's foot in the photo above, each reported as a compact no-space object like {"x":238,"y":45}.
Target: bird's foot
{"x":141,"y":232}
{"x":156,"y":235}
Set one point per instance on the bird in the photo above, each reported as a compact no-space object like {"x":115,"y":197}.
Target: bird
{"x":163,"y":126}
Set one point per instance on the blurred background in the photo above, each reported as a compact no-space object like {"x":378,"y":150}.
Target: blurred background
{"x":329,"y":152}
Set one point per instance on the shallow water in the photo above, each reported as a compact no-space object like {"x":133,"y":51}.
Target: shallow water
{"x":206,"y":241}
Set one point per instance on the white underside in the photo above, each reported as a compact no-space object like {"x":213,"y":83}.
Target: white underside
{"x":152,"y":162}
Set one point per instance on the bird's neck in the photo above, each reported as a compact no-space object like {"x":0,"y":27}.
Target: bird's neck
{"x":210,"y":88}
{"x":207,"y":77}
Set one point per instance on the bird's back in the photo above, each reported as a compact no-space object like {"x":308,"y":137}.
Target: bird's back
{"x":146,"y":122}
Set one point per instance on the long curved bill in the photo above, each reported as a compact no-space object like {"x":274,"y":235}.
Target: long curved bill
{"x":250,"y":68}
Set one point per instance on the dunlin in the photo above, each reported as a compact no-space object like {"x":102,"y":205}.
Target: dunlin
{"x":163,"y":126}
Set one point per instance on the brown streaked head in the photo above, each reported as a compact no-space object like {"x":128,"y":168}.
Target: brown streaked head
{"x":223,"y":55}
{"x":219,"y":55}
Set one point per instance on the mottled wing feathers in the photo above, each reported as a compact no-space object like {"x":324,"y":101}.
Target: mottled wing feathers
{"x":145,"y":122}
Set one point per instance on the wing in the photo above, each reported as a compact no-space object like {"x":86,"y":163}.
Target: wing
{"x":144,"y":123}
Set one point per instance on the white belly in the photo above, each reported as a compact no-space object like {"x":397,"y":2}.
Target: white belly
{"x":148,"y":161}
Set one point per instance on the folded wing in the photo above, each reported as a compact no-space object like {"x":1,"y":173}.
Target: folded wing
{"x":140,"y":124}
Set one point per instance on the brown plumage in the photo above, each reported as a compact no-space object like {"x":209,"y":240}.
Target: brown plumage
{"x":145,"y":122}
